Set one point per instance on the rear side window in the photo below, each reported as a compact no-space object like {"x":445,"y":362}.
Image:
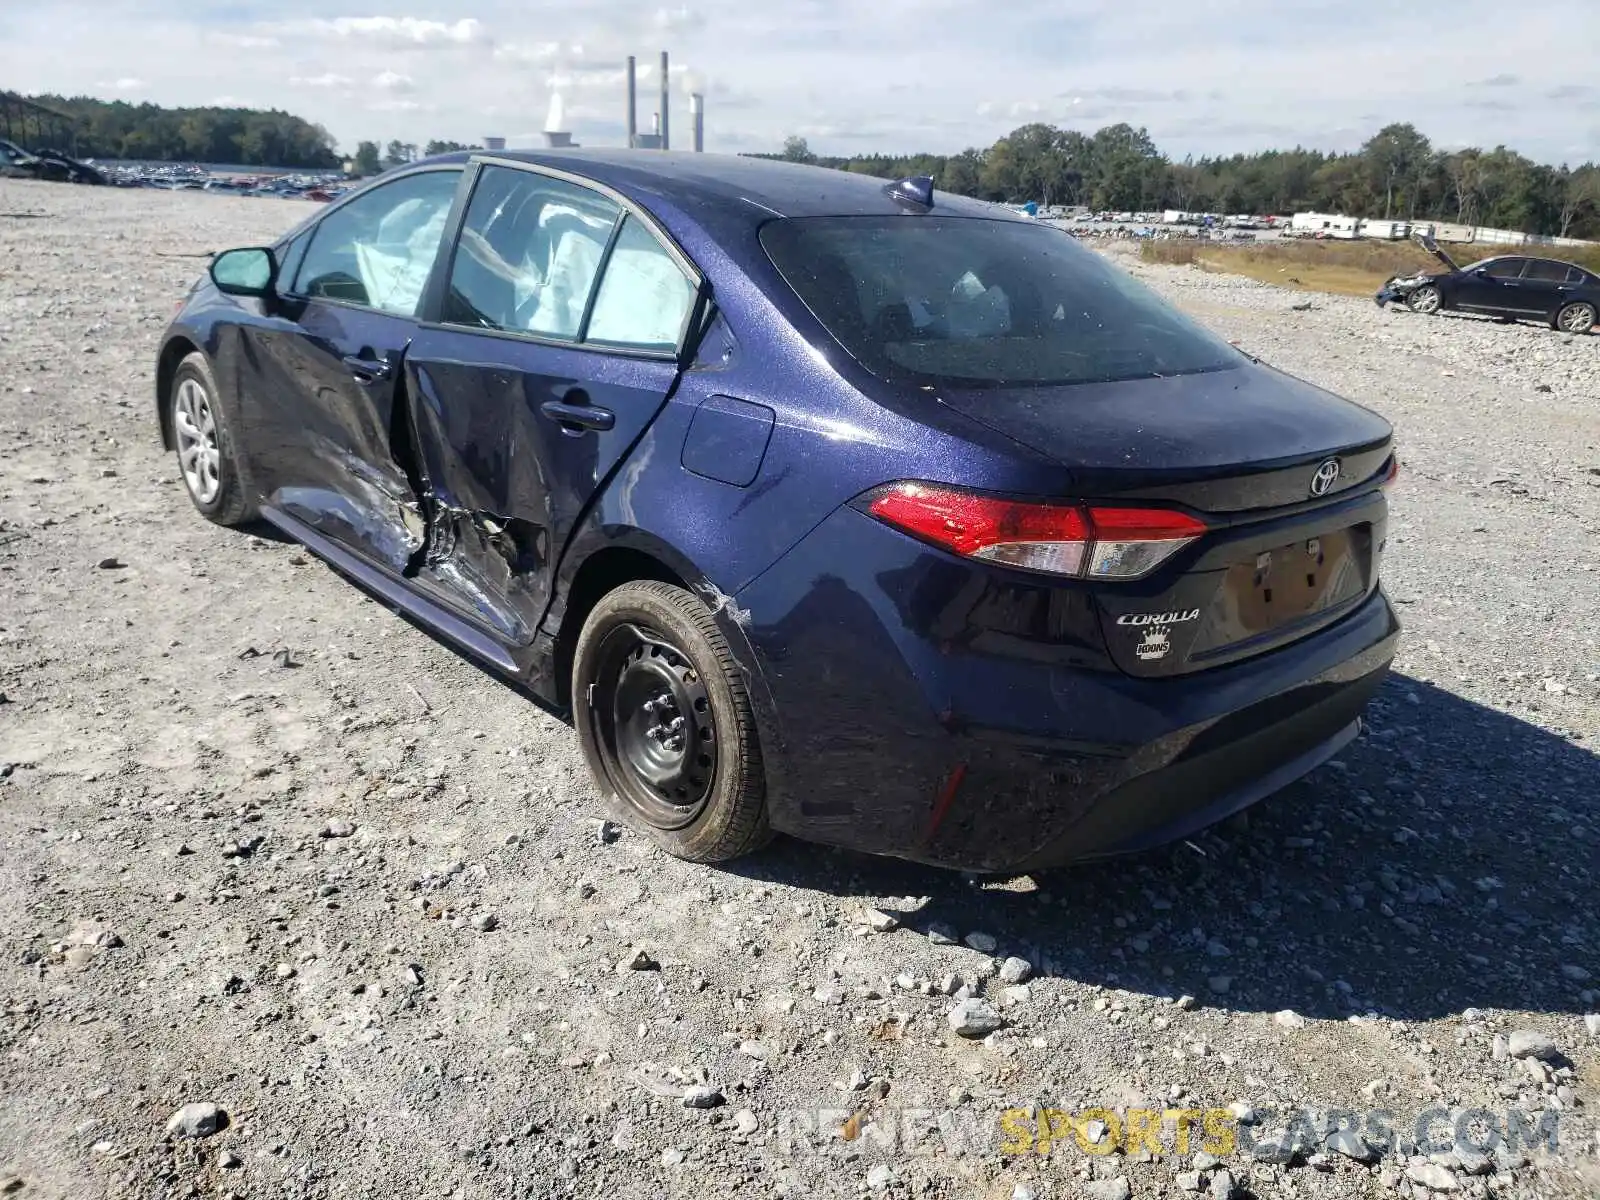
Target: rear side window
{"x":969,"y":302}
{"x":529,"y":254}
{"x":644,"y":296}
{"x":378,"y":249}
{"x":1546,"y":271}
{"x":1506,"y":268}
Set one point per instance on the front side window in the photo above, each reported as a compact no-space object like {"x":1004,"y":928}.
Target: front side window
{"x":529,"y":254}
{"x":1506,"y":268}
{"x":968,"y":302}
{"x":644,"y":296}
{"x":378,"y":249}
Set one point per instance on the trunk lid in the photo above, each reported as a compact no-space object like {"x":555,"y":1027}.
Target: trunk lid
{"x":1289,"y":550}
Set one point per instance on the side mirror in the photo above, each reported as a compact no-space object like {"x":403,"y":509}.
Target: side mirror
{"x":249,"y":272}
{"x":1481,"y":272}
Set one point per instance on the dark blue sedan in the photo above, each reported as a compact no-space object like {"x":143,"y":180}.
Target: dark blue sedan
{"x":859,"y":512}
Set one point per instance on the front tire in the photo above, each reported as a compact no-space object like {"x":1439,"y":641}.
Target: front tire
{"x":1577,"y":317}
{"x":666,"y":723}
{"x":209,"y":459}
{"x":1426,"y":299}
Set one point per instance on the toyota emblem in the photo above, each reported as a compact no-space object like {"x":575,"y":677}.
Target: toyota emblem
{"x":1327,"y":475}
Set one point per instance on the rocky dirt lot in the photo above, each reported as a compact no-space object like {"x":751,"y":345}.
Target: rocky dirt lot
{"x":276,"y":866}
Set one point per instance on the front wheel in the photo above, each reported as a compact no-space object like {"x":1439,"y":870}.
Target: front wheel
{"x":212,"y":466}
{"x":666,"y":724}
{"x":1425,"y":299}
{"x":1577,"y":317}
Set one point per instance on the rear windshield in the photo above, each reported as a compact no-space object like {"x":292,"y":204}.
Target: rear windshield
{"x":967,"y":302}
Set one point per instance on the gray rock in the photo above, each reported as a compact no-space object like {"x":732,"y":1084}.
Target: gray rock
{"x":641,"y":961}
{"x":672,"y":1157}
{"x":338,"y":828}
{"x":1015,"y":970}
{"x":1185,"y":1002}
{"x":608,"y":832}
{"x":974,"y":1019}
{"x":1473,"y":1161}
{"x":744,"y":1121}
{"x":1022,"y":1192}
{"x":1500,"y":1049}
{"x":1431,"y":1175}
{"x":485,"y":922}
{"x":1243,"y":1112}
{"x":1108,"y":1189}
{"x":879,"y":1177}
{"x":1289,"y":1019}
{"x":1351,"y":1144}
{"x":1204,"y":1161}
{"x":1592,"y":1023}
{"x":1530,"y":1043}
{"x":1222,"y":1185}
{"x":228,"y":1160}
{"x":1190,"y":1181}
{"x":701,"y":1096}
{"x":755,"y":1050}
{"x":983,"y":943}
{"x":941,"y":935}
{"x":879,"y":921}
{"x":196,"y":1120}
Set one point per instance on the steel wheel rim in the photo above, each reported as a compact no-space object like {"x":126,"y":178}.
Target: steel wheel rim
{"x":199,"y":455}
{"x":655,"y":726}
{"x":1426,"y":300}
{"x":1576,"y":318}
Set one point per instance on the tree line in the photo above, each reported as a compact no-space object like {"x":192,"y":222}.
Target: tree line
{"x":250,"y":137}
{"x":1397,"y":173}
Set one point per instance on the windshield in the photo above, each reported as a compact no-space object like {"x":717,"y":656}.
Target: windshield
{"x":967,"y":302}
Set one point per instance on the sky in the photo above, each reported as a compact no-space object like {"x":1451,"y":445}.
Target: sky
{"x":850,"y":76}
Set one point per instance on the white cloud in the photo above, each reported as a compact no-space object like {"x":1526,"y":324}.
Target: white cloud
{"x":678,"y":20}
{"x":328,"y":79}
{"x":243,"y":41}
{"x":403,"y":31}
{"x":391,"y":81}
{"x":125,"y":84}
{"x":533,"y":53}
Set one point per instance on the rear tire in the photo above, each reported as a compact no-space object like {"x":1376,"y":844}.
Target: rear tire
{"x":666,"y":723}
{"x":1426,"y":299}
{"x":1577,"y":317}
{"x":210,"y":461}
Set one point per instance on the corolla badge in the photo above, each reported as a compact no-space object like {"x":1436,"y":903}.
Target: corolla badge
{"x":1162,"y":618}
{"x":1327,"y":475}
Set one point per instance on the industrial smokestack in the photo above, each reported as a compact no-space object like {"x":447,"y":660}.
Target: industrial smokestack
{"x":665,"y":88}
{"x":697,"y":117}
{"x":633,"y":104}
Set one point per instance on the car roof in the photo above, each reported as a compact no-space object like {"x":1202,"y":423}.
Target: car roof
{"x":735,"y":182}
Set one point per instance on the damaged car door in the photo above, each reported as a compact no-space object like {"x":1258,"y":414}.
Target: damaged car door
{"x":322,"y":381}
{"x":559,"y":334}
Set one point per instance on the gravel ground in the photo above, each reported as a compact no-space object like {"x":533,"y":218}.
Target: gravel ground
{"x":266,"y":847}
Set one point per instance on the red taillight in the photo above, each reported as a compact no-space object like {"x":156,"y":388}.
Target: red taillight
{"x":1392,"y":474}
{"x":1060,"y":539}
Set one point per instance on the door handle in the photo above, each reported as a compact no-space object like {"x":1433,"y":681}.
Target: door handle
{"x":575,"y":418}
{"x":367,"y":370}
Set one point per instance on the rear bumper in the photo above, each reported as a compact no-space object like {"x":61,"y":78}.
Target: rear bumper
{"x":934,"y":713}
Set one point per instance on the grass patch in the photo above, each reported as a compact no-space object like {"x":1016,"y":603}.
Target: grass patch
{"x":1355,"y":268}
